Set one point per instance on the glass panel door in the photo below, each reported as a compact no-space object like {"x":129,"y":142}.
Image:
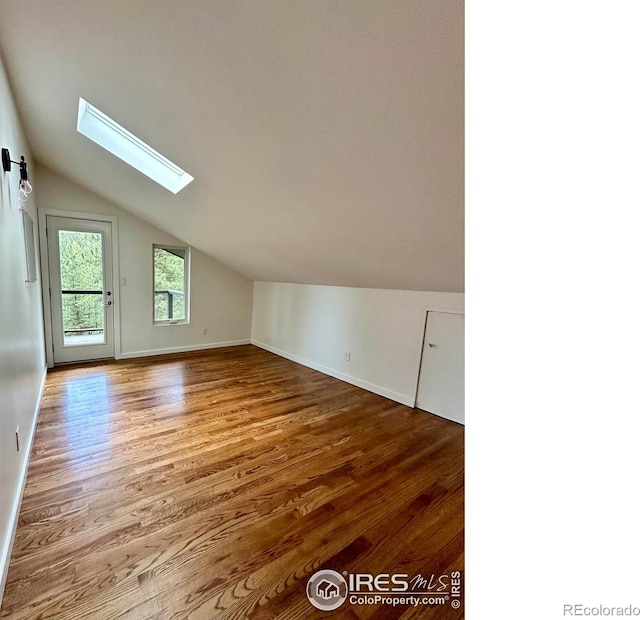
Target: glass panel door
{"x":80,"y":276}
{"x":82,"y":283}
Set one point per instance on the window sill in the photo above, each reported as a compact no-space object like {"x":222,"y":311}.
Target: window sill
{"x":170,"y":323}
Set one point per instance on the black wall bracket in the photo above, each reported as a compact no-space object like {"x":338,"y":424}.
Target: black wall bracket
{"x":6,"y":160}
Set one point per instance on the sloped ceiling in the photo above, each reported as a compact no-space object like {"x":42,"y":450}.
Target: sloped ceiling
{"x":325,"y":136}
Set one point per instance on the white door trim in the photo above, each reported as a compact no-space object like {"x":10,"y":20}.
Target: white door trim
{"x":75,"y":350}
{"x":44,"y":270}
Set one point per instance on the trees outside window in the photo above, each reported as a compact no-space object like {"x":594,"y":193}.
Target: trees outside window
{"x":170,"y":284}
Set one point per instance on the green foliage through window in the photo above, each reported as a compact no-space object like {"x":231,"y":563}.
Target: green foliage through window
{"x":81,"y":270}
{"x":82,"y":282}
{"x":169,"y":278}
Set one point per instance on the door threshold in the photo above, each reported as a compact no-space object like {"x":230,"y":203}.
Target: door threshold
{"x":84,"y":363}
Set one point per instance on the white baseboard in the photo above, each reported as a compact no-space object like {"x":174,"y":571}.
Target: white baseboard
{"x":193,"y":347}
{"x":10,"y":534}
{"x":365,"y":385}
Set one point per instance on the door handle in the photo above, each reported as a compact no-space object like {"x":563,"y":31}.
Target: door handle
{"x":432,"y":346}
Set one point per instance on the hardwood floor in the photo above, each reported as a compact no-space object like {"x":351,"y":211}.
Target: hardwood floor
{"x":213,"y":485}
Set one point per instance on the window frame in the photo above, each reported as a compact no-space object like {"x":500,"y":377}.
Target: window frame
{"x":120,"y":142}
{"x":187,"y":284}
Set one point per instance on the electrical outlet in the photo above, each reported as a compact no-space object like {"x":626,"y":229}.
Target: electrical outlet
{"x":18,"y":439}
{"x":347,"y":356}
{"x":205,"y":331}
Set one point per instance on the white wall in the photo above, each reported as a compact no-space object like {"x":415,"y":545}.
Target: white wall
{"x":22,"y":358}
{"x":316,"y":325}
{"x":221,"y":299}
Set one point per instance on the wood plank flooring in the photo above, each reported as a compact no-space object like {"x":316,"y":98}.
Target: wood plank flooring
{"x":213,"y":485}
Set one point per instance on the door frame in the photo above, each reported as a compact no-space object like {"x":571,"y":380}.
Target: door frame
{"x":44,"y":270}
{"x":426,"y":310}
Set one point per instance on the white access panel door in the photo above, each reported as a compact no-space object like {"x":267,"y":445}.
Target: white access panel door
{"x":441,"y":382}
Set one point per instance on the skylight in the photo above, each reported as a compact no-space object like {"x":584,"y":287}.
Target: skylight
{"x":97,"y":126}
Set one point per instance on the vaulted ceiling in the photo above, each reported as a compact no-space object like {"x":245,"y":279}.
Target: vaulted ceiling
{"x":326,"y":137}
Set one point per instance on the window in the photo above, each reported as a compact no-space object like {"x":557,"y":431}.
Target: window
{"x":97,"y":126}
{"x":170,"y":284}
